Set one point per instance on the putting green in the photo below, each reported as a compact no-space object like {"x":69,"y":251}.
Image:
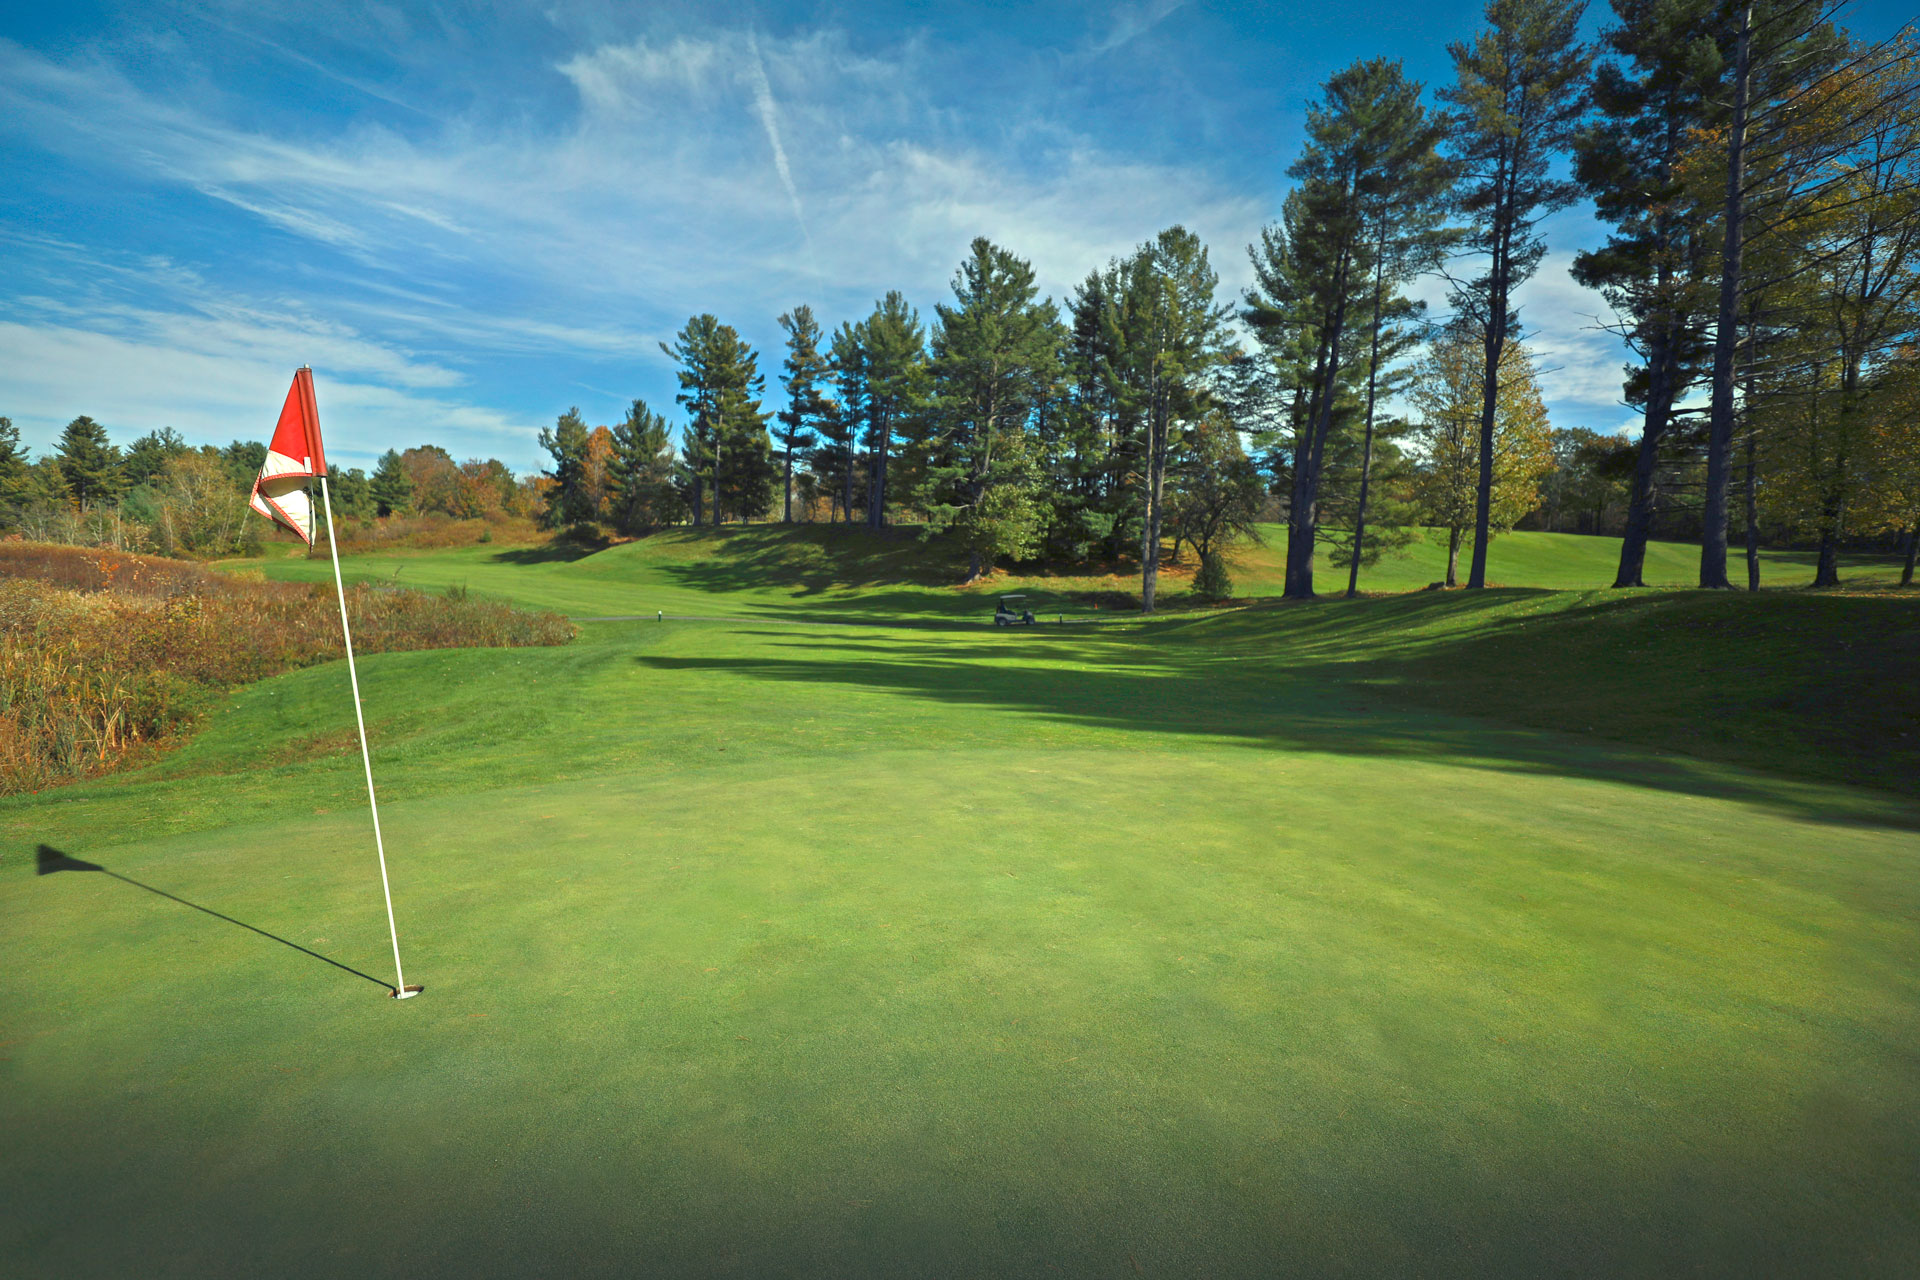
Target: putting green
{"x":757,"y":949}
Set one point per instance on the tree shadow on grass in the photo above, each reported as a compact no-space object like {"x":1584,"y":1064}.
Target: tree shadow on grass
{"x":1349,"y":681}
{"x":556,"y":552}
{"x":49,"y":860}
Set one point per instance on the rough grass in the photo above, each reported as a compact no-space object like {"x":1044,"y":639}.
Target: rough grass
{"x":104,"y":654}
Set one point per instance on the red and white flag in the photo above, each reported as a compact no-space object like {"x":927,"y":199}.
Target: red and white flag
{"x":294,"y":456}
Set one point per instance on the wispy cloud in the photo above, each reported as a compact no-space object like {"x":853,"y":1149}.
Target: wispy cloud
{"x":454,"y":263}
{"x":770,"y":121}
{"x":1130,"y":22}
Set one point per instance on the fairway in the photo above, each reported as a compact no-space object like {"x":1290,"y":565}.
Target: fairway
{"x":851,"y":936}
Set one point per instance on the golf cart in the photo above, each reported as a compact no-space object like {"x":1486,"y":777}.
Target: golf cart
{"x":1012,"y":611}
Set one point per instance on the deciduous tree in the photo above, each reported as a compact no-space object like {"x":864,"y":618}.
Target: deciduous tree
{"x":1447,"y":395}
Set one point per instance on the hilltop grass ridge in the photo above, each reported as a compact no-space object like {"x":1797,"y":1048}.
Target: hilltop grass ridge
{"x":1805,"y":683}
{"x":104,"y":655}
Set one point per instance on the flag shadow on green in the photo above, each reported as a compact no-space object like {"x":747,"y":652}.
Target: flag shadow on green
{"x":49,"y":860}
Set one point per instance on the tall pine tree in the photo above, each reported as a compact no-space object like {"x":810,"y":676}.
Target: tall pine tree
{"x":1651,"y":98}
{"x":995,"y":365}
{"x":1517,"y":104}
{"x":807,"y":406}
{"x":644,"y":497}
{"x":89,"y":466}
{"x":1165,"y":338}
{"x":570,"y":500}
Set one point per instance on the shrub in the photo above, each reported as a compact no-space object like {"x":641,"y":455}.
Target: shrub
{"x":1212,"y":581}
{"x":103,"y":655}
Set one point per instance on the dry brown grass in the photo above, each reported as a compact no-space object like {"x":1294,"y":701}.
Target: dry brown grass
{"x":103,"y":655}
{"x":430,"y":532}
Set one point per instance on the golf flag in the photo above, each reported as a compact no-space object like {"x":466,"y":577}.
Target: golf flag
{"x":280,"y":494}
{"x":293,"y":457}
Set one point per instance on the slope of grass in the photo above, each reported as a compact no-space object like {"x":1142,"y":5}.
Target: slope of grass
{"x":829,"y":573}
{"x":1527,"y":559}
{"x":1208,"y":946}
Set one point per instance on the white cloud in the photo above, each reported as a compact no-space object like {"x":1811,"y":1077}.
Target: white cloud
{"x":1130,"y":22}
{"x":223,"y":392}
{"x":1580,"y":363}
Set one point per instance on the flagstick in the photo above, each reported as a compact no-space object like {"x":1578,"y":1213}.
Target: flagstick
{"x":400,"y":986}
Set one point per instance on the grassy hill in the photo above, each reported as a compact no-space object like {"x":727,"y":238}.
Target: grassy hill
{"x":827,"y":573}
{"x":1315,"y":939}
{"x":1562,"y":561}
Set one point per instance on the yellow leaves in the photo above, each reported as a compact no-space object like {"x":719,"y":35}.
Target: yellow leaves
{"x":1447,"y":394}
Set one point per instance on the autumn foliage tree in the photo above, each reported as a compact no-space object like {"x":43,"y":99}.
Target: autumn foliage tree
{"x":1447,"y":395}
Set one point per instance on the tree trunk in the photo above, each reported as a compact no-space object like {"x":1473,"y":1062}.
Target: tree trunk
{"x":1495,"y":347}
{"x":1453,"y":556}
{"x":1150,"y":526}
{"x":846,"y":493}
{"x":1646,"y":464}
{"x":1753,"y":510}
{"x":1373,"y":384}
{"x":786,"y":511}
{"x":1303,"y":513}
{"x":1499,"y":282}
{"x":877,"y":482}
{"x":1913,"y":552}
{"x":1827,"y":572}
{"x":1713,"y":534}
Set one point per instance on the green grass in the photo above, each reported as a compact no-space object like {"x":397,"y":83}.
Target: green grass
{"x":1219,"y":945}
{"x":1560,"y":561}
{"x":827,"y":573}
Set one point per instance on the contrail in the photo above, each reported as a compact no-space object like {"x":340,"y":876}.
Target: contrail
{"x":770,"y":121}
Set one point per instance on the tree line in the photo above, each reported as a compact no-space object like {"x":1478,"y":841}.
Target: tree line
{"x":159,"y":493}
{"x":1758,"y":169}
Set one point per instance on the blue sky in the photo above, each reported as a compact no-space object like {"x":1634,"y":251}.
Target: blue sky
{"x":468,"y":216}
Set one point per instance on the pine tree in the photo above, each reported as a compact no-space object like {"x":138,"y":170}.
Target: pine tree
{"x":840,"y":429}
{"x":1651,"y":97}
{"x":1310,"y":276}
{"x":995,"y":364}
{"x":1094,"y":506}
{"x":391,"y":490}
{"x":244,"y":458}
{"x":720,"y":385}
{"x":148,"y":456}
{"x":15,"y":478}
{"x":570,"y":500}
{"x":1404,"y":197}
{"x":1834,"y":369}
{"x":1517,"y":104}
{"x":1165,"y":338}
{"x":804,"y":372}
{"x":89,"y":465}
{"x":1772,"y":52}
{"x":893,"y":343}
{"x":644,"y":496}
{"x":350,"y":493}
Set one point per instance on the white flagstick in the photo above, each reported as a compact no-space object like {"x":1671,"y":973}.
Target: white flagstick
{"x":400,"y":984}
